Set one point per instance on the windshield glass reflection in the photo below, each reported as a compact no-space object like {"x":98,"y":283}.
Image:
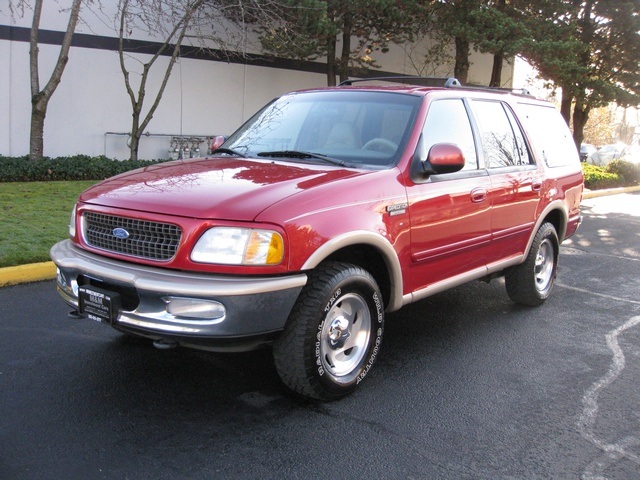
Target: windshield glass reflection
{"x":361,"y":129}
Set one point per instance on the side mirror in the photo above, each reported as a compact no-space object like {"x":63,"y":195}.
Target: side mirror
{"x":216,"y":142}
{"x":444,"y":158}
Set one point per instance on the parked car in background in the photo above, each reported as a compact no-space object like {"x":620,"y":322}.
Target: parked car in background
{"x":586,"y":150}
{"x":632,"y":155}
{"x":606,"y":154}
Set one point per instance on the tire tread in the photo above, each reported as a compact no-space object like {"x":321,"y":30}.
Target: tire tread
{"x":289,"y":349}
{"x":519,"y":280}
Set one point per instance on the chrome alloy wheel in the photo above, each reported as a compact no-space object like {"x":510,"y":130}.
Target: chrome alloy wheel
{"x":544,"y":266}
{"x":345,"y":335}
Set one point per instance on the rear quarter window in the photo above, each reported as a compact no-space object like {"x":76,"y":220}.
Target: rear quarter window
{"x":550,"y":136}
{"x":502,"y":141}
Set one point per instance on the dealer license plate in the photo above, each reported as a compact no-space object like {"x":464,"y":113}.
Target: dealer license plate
{"x":98,"y":304}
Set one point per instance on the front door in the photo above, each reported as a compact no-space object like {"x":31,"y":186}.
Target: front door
{"x":450,"y":213}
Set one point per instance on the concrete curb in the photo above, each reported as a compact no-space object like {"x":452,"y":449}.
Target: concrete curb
{"x":47,"y":270}
{"x":611,"y":191}
{"x":32,"y":272}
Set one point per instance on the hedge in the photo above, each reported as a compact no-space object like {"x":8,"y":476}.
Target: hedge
{"x":78,"y":167}
{"x":618,"y":173}
{"x":627,"y":171}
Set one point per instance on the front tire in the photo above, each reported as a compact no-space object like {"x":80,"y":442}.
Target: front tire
{"x":530,"y":283}
{"x":333,"y":334}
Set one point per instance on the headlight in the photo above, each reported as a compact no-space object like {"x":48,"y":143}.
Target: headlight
{"x":72,"y":223}
{"x":239,"y":246}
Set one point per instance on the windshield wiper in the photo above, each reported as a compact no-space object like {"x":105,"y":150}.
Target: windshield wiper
{"x":297,"y":154}
{"x":228,"y":151}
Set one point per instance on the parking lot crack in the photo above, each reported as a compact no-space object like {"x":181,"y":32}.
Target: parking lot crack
{"x":598,"y":294}
{"x":612,"y":451}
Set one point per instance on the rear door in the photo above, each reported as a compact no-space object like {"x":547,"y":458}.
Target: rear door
{"x":516,"y":182}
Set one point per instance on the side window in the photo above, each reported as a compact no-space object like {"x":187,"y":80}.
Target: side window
{"x":550,"y":135}
{"x":521,"y":144}
{"x":448,"y":122}
{"x":503,"y":144}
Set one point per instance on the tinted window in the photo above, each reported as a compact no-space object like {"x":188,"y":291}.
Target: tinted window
{"x":550,"y":135}
{"x":503,"y":144}
{"x":448,"y":122}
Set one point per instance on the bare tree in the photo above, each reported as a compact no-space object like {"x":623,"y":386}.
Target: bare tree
{"x":40,"y":98}
{"x":154,"y":15}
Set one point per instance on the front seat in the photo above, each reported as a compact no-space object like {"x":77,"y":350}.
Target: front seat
{"x":344,"y":135}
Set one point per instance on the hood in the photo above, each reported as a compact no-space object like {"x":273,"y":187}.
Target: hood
{"x":212,"y":188}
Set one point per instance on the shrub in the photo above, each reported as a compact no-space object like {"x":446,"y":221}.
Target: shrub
{"x":78,"y":167}
{"x":596,"y":177}
{"x":629,"y":173}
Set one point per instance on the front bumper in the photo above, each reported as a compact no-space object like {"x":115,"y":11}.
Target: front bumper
{"x":253,"y":307}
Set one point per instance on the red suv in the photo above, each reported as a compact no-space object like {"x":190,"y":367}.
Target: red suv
{"x":327,"y":209}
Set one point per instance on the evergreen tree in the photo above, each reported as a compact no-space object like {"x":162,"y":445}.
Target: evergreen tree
{"x":591,"y":49}
{"x":310,"y":29}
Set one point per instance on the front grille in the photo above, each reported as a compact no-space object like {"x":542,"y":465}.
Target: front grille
{"x":143,"y":239}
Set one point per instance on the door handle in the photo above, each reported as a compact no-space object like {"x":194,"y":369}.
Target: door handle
{"x":478,"y":195}
{"x":536,"y":184}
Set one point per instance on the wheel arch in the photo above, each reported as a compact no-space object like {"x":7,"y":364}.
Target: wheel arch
{"x":556,"y":214}
{"x":370,"y":251}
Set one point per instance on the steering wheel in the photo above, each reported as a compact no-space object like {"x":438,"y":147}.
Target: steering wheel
{"x":381,"y":145}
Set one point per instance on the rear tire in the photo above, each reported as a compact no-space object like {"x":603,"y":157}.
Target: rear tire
{"x":530,"y":282}
{"x":333,"y":334}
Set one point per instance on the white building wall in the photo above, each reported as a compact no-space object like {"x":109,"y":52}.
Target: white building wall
{"x":202,"y":97}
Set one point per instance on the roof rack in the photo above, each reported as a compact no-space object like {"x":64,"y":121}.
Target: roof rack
{"x":408,"y":79}
{"x":446,"y":82}
{"x":522,"y":91}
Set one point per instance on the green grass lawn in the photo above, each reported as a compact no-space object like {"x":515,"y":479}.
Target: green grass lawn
{"x":34,"y":216}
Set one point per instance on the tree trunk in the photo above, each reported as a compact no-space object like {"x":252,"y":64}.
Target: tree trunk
{"x":461,"y":69}
{"x":565,"y":106}
{"x":346,"y":47}
{"x":580,"y":117}
{"x":36,"y":141}
{"x":582,"y":108}
{"x":136,"y":130}
{"x":496,"y":71}
{"x":134,"y":144}
{"x":331,"y":61}
{"x":40,"y":98}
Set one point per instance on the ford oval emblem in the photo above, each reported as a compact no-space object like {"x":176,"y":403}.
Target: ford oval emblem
{"x":120,"y":233}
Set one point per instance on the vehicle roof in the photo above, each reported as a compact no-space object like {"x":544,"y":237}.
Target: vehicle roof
{"x":422,"y":90}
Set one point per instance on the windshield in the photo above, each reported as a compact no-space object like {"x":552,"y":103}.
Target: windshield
{"x":360,"y":129}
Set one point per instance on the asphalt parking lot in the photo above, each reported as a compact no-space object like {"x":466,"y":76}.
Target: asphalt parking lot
{"x":467,"y":386}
